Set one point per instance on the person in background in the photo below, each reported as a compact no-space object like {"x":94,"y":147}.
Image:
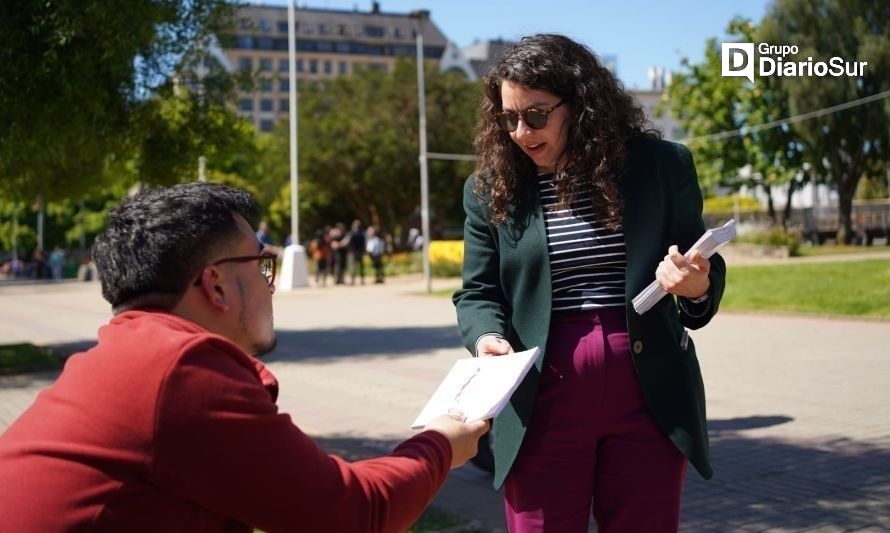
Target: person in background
{"x":356,"y":257}
{"x":262,"y":233}
{"x":320,"y":251}
{"x":573,"y":209}
{"x":376,"y":250}
{"x":170,"y":424}
{"x":56,"y":262}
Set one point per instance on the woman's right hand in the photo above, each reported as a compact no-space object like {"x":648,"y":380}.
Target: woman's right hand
{"x":492,"y":345}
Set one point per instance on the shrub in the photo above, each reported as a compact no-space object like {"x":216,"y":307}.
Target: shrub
{"x":446,"y":258}
{"x":774,"y":236}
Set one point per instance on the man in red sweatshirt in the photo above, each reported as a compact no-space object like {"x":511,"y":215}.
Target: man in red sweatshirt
{"x":169,"y":423}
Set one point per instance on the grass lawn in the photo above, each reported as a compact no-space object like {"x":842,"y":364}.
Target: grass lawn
{"x":25,"y":358}
{"x":855,"y":288}
{"x":808,"y":251}
{"x":860,"y":288}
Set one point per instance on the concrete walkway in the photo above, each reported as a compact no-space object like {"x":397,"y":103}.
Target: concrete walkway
{"x":799,"y":408}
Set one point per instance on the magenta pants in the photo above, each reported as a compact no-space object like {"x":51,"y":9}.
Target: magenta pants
{"x":591,"y":442}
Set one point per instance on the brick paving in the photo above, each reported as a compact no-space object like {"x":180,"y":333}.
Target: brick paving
{"x":799,"y":408}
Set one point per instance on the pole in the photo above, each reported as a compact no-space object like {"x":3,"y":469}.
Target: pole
{"x":292,"y":111}
{"x":424,"y":171}
{"x":202,"y":161}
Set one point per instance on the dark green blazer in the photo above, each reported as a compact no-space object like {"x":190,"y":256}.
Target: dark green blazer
{"x":507,"y":290}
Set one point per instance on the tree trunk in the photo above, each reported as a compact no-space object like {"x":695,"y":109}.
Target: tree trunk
{"x":786,"y":214}
{"x":770,"y":207}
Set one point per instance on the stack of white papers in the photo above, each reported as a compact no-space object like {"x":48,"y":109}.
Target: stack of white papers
{"x":478,"y":387}
{"x":707,"y":244}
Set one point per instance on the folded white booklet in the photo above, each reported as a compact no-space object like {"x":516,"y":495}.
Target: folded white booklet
{"x":478,"y":387}
{"x":707,"y":244}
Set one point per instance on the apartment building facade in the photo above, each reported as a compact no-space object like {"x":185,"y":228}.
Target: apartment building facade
{"x":329,"y":43}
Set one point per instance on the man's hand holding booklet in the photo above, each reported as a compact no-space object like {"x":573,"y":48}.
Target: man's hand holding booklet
{"x":478,"y":387}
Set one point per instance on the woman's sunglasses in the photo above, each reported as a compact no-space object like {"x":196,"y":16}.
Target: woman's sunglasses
{"x":534,"y":118}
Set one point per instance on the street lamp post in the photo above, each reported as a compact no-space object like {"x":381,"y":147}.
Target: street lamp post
{"x":424,"y":170}
{"x":294,"y":272}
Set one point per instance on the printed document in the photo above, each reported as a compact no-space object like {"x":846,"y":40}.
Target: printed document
{"x":478,"y":387}
{"x":707,"y":245}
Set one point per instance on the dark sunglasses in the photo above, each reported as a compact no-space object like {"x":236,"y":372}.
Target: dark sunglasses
{"x":534,"y":118}
{"x":268,"y":263}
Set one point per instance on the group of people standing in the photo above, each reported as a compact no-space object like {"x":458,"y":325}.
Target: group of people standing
{"x":334,"y":249}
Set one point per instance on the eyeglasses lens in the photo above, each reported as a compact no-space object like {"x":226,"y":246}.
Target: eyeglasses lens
{"x":535,"y":119}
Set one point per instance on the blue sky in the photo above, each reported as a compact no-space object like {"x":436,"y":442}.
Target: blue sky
{"x":637,"y":33}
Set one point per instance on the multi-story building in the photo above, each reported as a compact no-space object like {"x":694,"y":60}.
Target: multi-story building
{"x":329,"y":43}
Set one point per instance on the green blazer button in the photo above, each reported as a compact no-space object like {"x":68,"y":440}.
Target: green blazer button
{"x":638,"y":346}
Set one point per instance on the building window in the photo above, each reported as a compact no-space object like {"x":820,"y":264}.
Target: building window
{"x":375,"y":31}
{"x":284,"y":105}
{"x":343,"y":48}
{"x":265,"y":64}
{"x":282,"y":26}
{"x":244,"y":42}
{"x":283,"y":85}
{"x":266,"y":105}
{"x":342,"y":29}
{"x":267,"y":125}
{"x":313,"y":66}
{"x":299,"y":65}
{"x":324,"y":46}
{"x":341,"y":67}
{"x":245,"y":104}
{"x":265,"y":43}
{"x":265,"y":85}
{"x":283,"y":65}
{"x":397,"y":32}
{"x":324,"y":29}
{"x":379,"y":67}
{"x":245,"y":64}
{"x":264,"y":25}
{"x":328,"y":68}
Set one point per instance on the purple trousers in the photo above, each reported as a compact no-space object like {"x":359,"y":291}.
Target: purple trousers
{"x":591,"y":442}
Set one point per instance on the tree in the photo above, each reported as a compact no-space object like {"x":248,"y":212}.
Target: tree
{"x":74,"y":77}
{"x":705,"y":103}
{"x":358,"y":146}
{"x":853,"y":142}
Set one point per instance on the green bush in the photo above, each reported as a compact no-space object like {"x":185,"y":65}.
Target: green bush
{"x":726,"y":204}
{"x":775,"y":236}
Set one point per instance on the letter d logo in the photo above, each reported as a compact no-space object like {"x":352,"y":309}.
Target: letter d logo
{"x":738,"y":60}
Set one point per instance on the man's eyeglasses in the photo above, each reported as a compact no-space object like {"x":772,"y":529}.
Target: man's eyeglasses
{"x":534,"y":118}
{"x":268,"y":263}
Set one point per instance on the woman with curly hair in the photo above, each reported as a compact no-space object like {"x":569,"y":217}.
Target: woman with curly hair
{"x":573,"y":209}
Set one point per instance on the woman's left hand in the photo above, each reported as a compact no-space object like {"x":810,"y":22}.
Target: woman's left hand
{"x":684,"y":277}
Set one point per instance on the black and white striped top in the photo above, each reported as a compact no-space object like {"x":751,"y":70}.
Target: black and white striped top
{"x":587,"y":261}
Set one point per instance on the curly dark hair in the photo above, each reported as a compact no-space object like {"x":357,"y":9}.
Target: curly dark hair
{"x":603,"y":119}
{"x":156,"y":242}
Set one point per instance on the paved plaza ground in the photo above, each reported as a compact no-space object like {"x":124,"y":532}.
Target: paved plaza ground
{"x":799,"y":408}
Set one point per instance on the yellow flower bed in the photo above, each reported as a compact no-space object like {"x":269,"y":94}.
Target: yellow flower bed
{"x":446,"y":257}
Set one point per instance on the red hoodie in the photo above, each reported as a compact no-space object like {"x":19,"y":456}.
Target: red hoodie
{"x":163,"y":426}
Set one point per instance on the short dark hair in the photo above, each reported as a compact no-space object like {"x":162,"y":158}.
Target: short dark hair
{"x":157,"y":241}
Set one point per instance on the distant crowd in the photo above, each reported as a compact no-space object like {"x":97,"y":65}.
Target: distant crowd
{"x":339,"y":250}
{"x":37,"y":265}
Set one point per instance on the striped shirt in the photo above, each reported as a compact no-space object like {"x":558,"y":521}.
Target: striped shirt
{"x":587,"y":261}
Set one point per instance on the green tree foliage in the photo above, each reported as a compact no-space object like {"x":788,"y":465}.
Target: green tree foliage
{"x":850,"y":143}
{"x":706,"y":103}
{"x":75,"y":77}
{"x":358,"y":150}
